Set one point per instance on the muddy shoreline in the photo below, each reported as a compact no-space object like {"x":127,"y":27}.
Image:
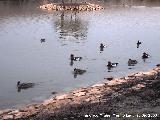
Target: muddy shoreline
{"x":136,"y":96}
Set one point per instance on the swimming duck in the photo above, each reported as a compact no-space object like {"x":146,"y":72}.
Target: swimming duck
{"x":102,"y":46}
{"x":79,"y":71}
{"x":75,"y":58}
{"x":145,"y":55}
{"x":110,"y":64}
{"x":138,"y":43}
{"x":24,"y":85}
{"x":43,"y":40}
{"x":132,"y":62}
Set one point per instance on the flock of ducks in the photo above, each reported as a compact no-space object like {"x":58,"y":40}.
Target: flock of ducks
{"x":110,"y":64}
{"x":77,"y":71}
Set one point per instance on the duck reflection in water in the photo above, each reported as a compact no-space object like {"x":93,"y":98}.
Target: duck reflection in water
{"x":71,"y":63}
{"x":21,"y":86}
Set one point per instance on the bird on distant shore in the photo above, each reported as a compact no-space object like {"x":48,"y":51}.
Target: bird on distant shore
{"x":24,"y":85}
{"x":132,"y":62}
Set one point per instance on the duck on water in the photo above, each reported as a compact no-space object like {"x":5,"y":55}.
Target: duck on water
{"x":145,"y":55}
{"x":110,"y":64}
{"x":73,"y":58}
{"x":43,"y":40}
{"x":132,"y":62}
{"x":138,"y":43}
{"x":24,"y":85}
{"x":102,"y":46}
{"x":78,"y":72}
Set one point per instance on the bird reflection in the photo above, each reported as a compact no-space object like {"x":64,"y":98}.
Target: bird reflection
{"x":71,"y":63}
{"x":71,"y":26}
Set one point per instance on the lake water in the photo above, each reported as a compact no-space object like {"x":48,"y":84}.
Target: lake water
{"x":24,"y":58}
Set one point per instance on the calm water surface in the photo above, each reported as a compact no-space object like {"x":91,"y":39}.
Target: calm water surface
{"x":23,"y":57}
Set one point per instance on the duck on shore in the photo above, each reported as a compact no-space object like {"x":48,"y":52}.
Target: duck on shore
{"x":110,"y":64}
{"x":132,"y":62}
{"x":145,"y":55}
{"x":73,"y":58}
{"x":24,"y":85}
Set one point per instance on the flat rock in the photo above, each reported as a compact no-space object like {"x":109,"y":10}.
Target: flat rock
{"x":61,"y":97}
{"x":7,"y":117}
{"x":98,"y":85}
{"x":80,"y":94}
{"x":46,"y":102}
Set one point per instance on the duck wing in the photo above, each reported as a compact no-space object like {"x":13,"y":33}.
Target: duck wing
{"x":26,"y":85}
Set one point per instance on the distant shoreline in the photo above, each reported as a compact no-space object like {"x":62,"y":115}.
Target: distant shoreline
{"x":87,"y":100}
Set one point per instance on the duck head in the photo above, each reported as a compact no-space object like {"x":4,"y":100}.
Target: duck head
{"x":109,"y":63}
{"x":18,"y":83}
{"x":72,"y":56}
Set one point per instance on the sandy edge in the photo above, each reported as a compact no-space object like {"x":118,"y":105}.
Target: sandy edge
{"x":92,"y":94}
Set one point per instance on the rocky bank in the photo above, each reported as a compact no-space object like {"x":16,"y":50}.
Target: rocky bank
{"x":136,"y":96}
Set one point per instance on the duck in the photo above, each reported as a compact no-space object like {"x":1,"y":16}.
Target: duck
{"x":43,"y":40}
{"x":73,"y":58}
{"x":138,"y":43}
{"x":132,"y":62}
{"x":24,"y":85}
{"x":110,"y":64}
{"x":79,"y":71}
{"x":102,"y":46}
{"x":145,"y":55}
